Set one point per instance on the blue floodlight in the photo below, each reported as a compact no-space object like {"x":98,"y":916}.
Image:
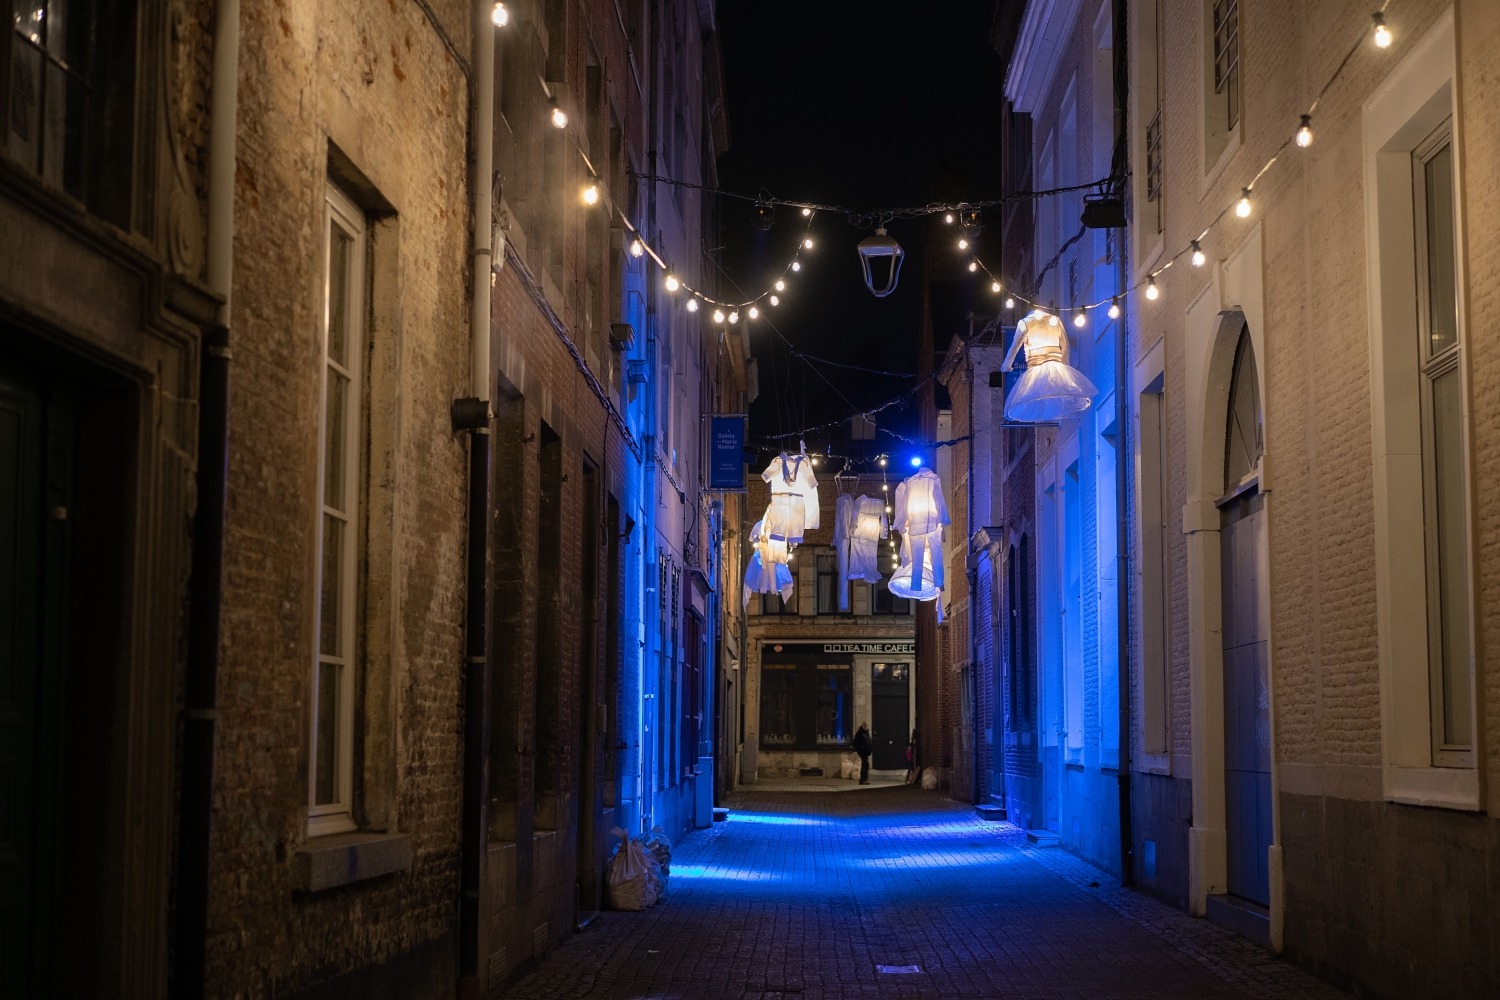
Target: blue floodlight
{"x":916,"y":461}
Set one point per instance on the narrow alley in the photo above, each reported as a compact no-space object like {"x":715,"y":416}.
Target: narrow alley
{"x":891,"y":891}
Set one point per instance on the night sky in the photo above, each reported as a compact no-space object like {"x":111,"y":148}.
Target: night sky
{"x":864,"y":105}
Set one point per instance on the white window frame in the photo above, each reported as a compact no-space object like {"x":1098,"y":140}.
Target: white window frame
{"x":1409,"y":106}
{"x":1219,"y":139}
{"x":337,"y":816}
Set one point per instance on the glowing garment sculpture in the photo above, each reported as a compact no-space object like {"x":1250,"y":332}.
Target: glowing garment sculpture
{"x":858,"y":525}
{"x":794,"y":498}
{"x":767,"y":571}
{"x":920,"y":514}
{"x":1051,"y":389}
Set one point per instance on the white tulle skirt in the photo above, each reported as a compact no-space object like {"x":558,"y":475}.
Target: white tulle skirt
{"x":760,"y":578}
{"x":1051,"y":390}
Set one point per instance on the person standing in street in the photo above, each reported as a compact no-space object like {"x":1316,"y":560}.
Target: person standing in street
{"x":863,"y":746}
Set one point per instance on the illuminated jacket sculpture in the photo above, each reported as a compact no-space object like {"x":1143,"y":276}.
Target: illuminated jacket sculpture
{"x":794,"y":498}
{"x":920,"y":514}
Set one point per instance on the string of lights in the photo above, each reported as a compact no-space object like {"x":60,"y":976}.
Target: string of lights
{"x":1378,"y":33}
{"x":866,"y":218}
{"x":965,"y":213}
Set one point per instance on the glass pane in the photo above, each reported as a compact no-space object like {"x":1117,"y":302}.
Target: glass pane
{"x":333,"y":441}
{"x":835,"y":706}
{"x":24,"y":134}
{"x":1242,"y":443}
{"x":29,"y":19}
{"x":1442,"y":290}
{"x":330,"y":600}
{"x":338,"y":294}
{"x":1453,"y":589}
{"x":325,"y":788}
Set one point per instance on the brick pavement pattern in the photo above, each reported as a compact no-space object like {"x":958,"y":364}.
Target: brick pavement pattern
{"x":808,"y":894}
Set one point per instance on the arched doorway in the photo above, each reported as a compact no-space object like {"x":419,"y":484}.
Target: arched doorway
{"x":1247,"y":698}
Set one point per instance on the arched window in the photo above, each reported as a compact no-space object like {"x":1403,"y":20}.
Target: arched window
{"x":1243,"y":438}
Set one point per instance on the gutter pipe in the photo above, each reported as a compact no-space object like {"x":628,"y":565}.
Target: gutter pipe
{"x":206,"y":583}
{"x":474,"y":416}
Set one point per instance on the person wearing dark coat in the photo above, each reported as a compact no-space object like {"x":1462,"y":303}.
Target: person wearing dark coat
{"x":863,"y":746}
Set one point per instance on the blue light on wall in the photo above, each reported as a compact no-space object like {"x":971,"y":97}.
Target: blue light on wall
{"x":916,"y":461}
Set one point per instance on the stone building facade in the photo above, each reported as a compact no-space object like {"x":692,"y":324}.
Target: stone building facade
{"x":1067,"y":739}
{"x":110,"y":283}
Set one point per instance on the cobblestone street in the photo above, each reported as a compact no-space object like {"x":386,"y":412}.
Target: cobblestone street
{"x":890,"y":891}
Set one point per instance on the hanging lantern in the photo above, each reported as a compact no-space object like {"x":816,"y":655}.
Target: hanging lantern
{"x":763,"y":215}
{"x":877,"y":248}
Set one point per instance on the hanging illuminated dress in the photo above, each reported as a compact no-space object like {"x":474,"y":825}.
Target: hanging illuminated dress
{"x":1050,"y":389}
{"x":920,"y":515}
{"x":858,"y":525}
{"x":794,"y":498}
{"x":765,"y":573}
{"x":868,"y":527}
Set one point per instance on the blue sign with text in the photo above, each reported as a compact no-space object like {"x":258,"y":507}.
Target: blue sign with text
{"x":726,"y":463}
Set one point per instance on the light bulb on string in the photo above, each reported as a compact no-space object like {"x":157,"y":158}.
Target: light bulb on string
{"x":885,"y":487}
{"x":806,"y":213}
{"x":1079,"y":319}
{"x":734,"y":317}
{"x":1114,"y":308}
{"x":1010,"y":303}
{"x":1382,"y":33}
{"x":754,"y":313}
{"x":807,"y":243}
{"x":559,"y":116}
{"x":591,"y":194}
{"x":775,"y":300}
{"x":948,"y":218}
{"x":1198,"y":255}
{"x":637,"y":248}
{"x":500,"y":16}
{"x":1152,"y":292}
{"x":1304,"y":132}
{"x":718,"y":315}
{"x":1242,"y":208}
{"x":995,"y":287}
{"x":973,"y":265}
{"x":882,"y":461}
{"x":780,"y":285}
{"x":672,"y":283}
{"x":963,"y":244}
{"x":796,"y":265}
{"x":692,"y":304}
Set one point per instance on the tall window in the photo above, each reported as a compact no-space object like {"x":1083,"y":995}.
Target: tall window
{"x":50,"y":89}
{"x":1419,"y":394}
{"x":1152,"y":512}
{"x":1227,"y":58}
{"x":332,"y":771}
{"x":1443,"y":473}
{"x":1221,"y":79}
{"x":828,"y":584}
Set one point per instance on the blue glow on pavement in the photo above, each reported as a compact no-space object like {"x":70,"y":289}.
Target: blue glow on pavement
{"x":775,"y":819}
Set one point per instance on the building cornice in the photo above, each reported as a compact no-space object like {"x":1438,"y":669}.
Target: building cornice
{"x":1044,"y":30}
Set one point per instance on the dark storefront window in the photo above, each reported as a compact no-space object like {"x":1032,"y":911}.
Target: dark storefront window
{"x":806,"y":705}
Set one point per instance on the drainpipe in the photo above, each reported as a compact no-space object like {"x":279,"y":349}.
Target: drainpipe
{"x":212,"y":482}
{"x":473,"y":415}
{"x":973,"y":575}
{"x":1123,"y":448}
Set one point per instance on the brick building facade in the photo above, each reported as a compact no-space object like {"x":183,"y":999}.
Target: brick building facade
{"x":814,"y":672}
{"x":367,"y":495}
{"x":1314,"y":422}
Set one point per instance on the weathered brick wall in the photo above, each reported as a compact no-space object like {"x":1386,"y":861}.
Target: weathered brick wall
{"x":377,"y":81}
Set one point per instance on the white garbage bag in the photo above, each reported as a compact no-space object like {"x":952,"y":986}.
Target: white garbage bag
{"x":632,"y":878}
